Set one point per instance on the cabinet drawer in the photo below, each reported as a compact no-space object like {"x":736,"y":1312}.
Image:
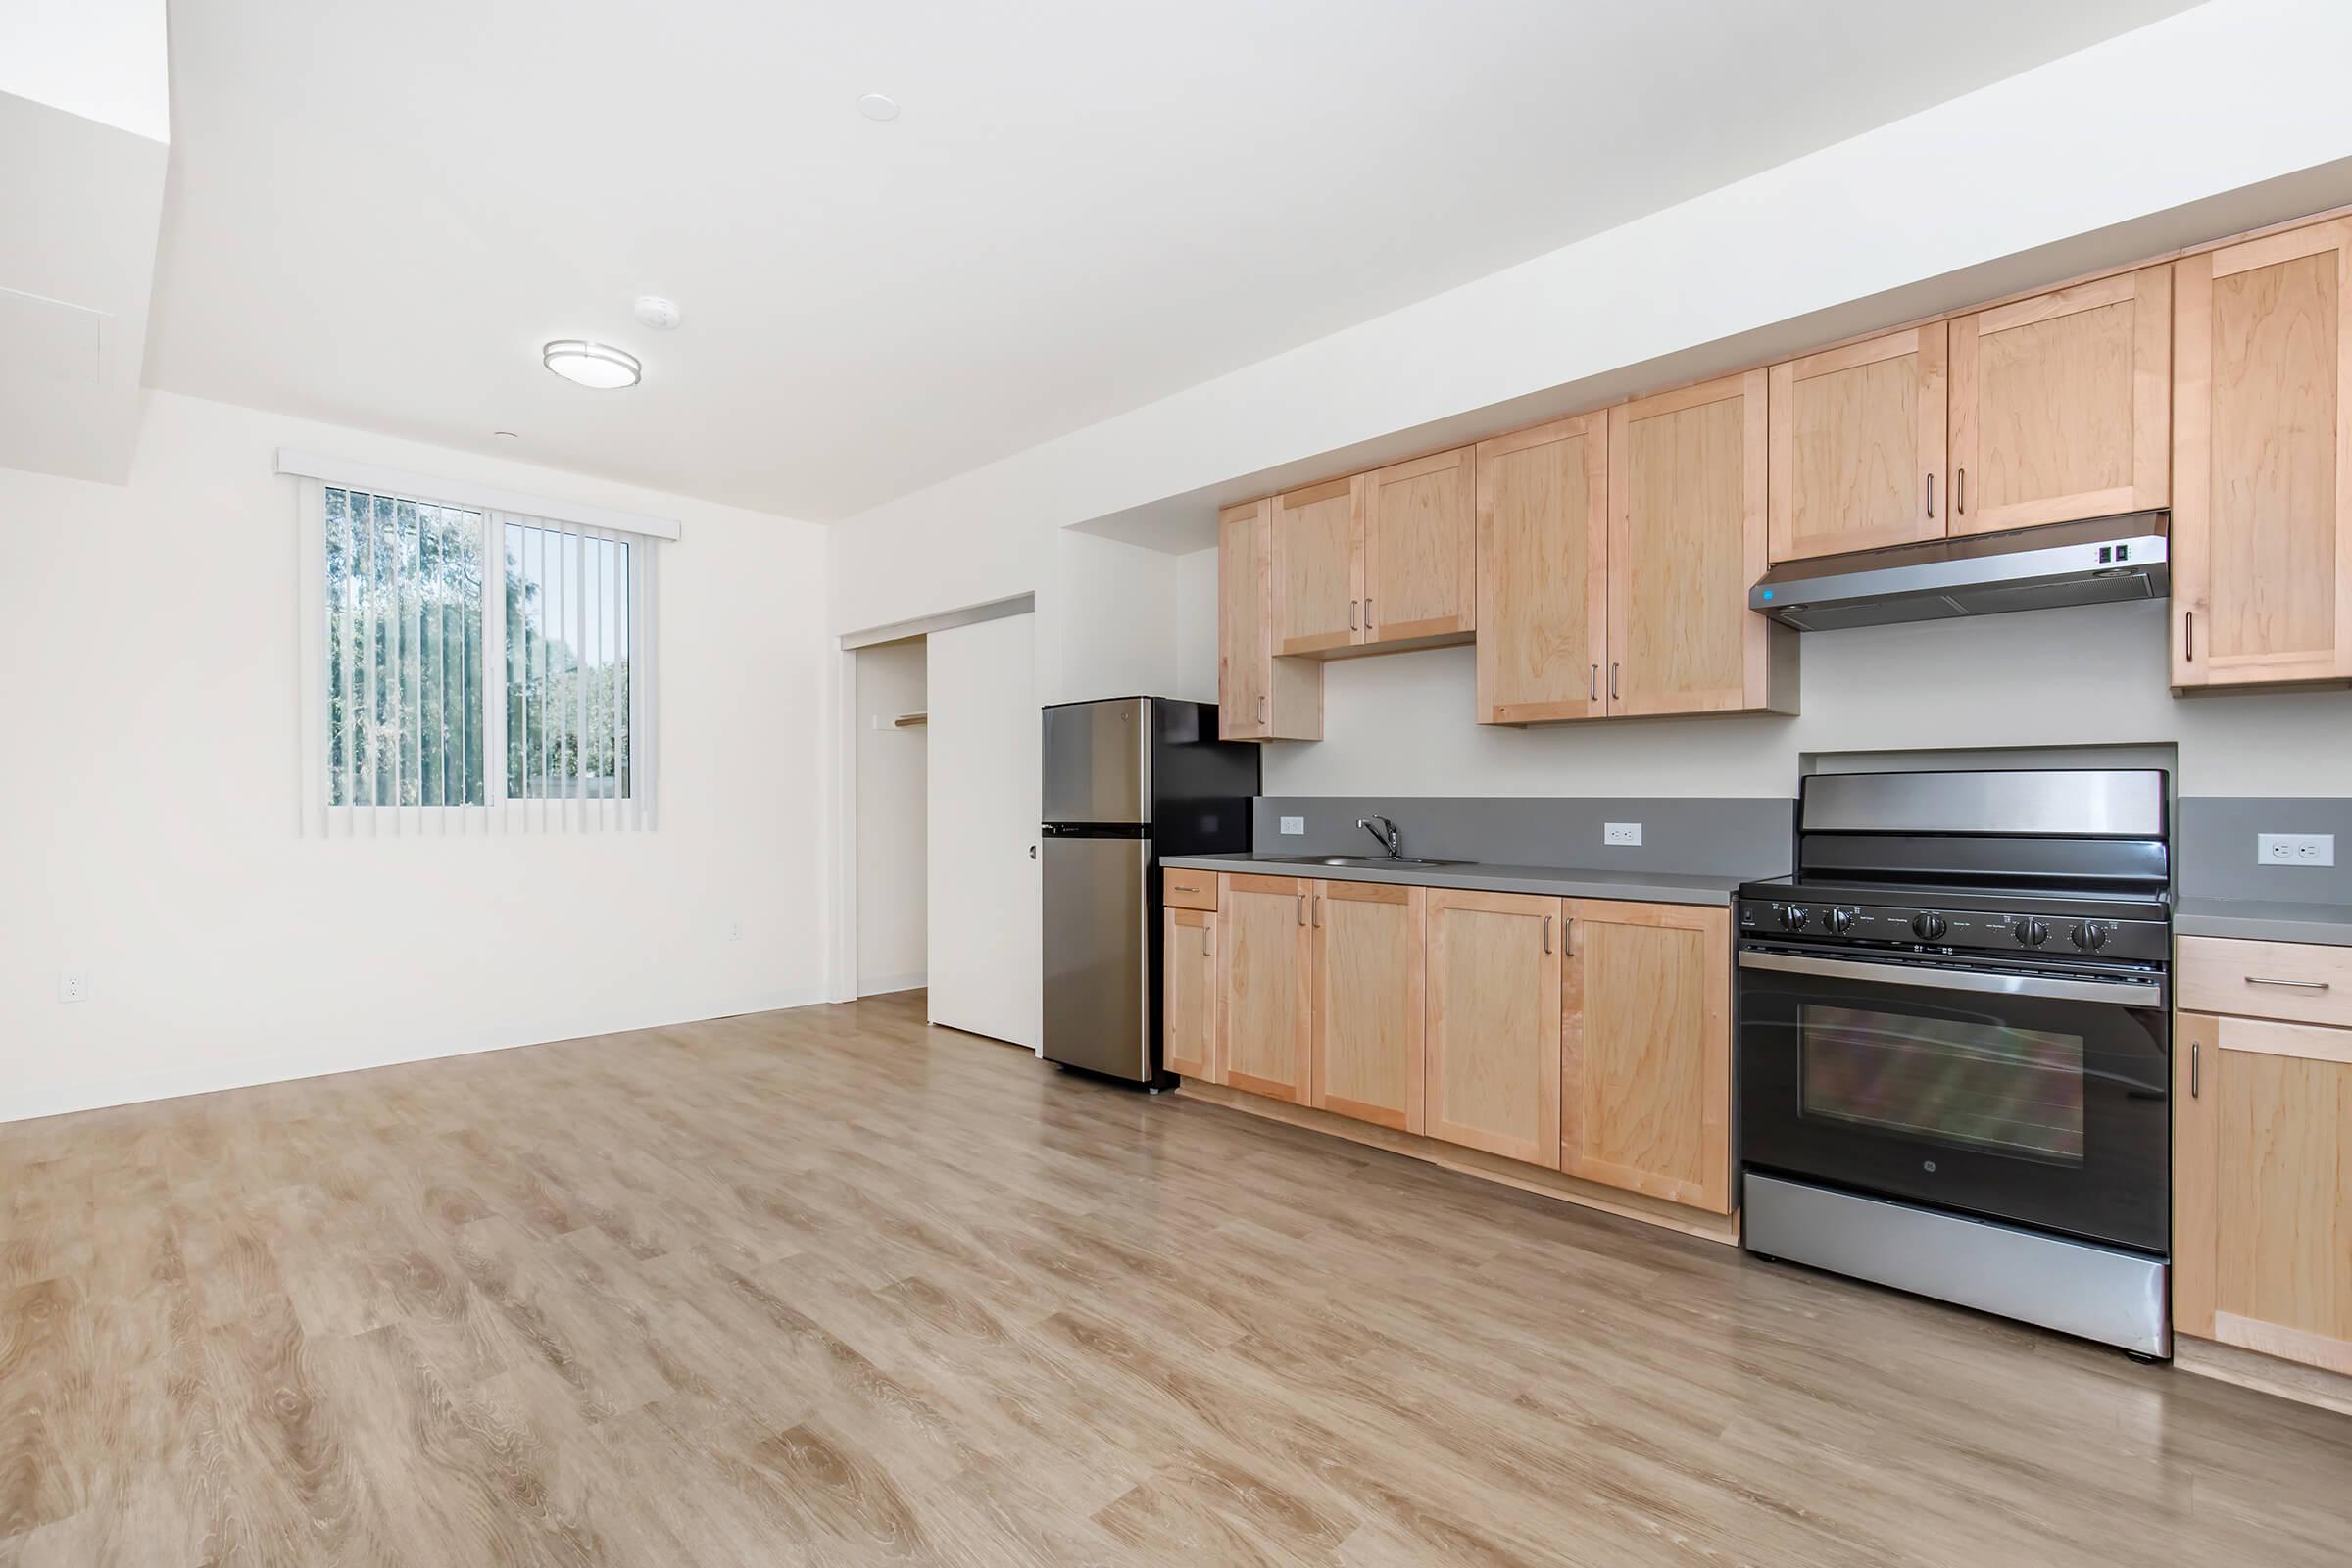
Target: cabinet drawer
{"x":1187,"y":890}
{"x":2298,"y":980}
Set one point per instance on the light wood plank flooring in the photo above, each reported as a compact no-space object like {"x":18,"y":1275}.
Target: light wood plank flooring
{"x":830,"y":1287}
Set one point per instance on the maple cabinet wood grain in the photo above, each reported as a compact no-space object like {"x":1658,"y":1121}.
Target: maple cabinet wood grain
{"x":1318,"y":567}
{"x":2061,"y":405}
{"x":1494,"y":1033}
{"x":1542,"y":507}
{"x":2262,"y":1212}
{"x":1686,"y":541}
{"x":1259,"y":697}
{"x":1646,"y":1073}
{"x":1369,"y":966}
{"x":1265,"y":984}
{"x":1857,"y":445}
{"x":1420,"y":558}
{"x":1189,"y":993}
{"x":2262,"y":458}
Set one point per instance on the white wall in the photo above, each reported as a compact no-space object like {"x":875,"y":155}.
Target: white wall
{"x":150,"y":822}
{"x":1402,"y":723}
{"x":893,"y":773}
{"x":1197,"y":626}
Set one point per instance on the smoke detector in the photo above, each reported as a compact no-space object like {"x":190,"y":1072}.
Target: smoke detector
{"x":657,"y":312}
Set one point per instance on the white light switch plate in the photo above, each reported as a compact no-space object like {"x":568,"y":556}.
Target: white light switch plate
{"x":1621,"y":833}
{"x":1294,"y":825}
{"x":2294,"y":849}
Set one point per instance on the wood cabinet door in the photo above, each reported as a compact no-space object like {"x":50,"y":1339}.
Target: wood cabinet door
{"x":1686,"y":544}
{"x":1543,"y":571}
{"x":1645,"y":1050}
{"x":1420,"y":548}
{"x":2262,"y":459}
{"x":2062,"y":405}
{"x":2262,"y":1189}
{"x":1245,"y":621}
{"x":1265,"y":985}
{"x":1858,"y":446}
{"x":1187,"y":962}
{"x":1369,"y":967}
{"x":1318,"y":568}
{"x":1492,"y":1053}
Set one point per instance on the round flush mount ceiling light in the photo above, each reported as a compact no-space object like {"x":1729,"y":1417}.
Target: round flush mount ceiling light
{"x":592,"y":364}
{"x":878,"y":106}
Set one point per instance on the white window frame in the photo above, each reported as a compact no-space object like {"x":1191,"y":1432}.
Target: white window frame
{"x":500,"y":508}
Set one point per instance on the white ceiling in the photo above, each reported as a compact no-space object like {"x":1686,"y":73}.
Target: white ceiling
{"x":378,"y":212}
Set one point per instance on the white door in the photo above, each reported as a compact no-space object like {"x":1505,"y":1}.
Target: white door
{"x":987,"y":954}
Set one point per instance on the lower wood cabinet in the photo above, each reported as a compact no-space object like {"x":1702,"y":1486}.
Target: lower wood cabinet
{"x":2262,"y":1186}
{"x":1265,"y":984}
{"x":1493,"y":1079}
{"x":1646,"y":1070}
{"x":1189,"y":993}
{"x":1370,"y":961}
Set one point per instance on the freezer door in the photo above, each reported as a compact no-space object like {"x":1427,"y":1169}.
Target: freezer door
{"x":1098,"y":762}
{"x":1097,"y":955}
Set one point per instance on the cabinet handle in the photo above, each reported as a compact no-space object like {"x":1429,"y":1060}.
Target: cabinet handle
{"x":1612,"y":683}
{"x":1548,"y":933}
{"x":1318,"y":909}
{"x":1931,"y":498}
{"x":1367,"y":612}
{"x":1960,"y":491}
{"x":1351,"y":615}
{"x":1568,"y":936}
{"x":2299,"y":985}
{"x":1261,"y":708}
{"x":1594,"y":685}
{"x":2193,"y":1065}
{"x":1303,"y":908}
{"x":2189,"y":633}
{"x":1204,"y":948}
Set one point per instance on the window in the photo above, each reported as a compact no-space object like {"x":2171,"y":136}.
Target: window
{"x":473,"y":664}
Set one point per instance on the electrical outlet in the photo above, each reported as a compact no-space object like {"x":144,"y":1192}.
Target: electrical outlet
{"x":2294,"y":849}
{"x":1621,"y":833}
{"x":1294,"y":825}
{"x":72,"y":984}
{"x":735,"y":930}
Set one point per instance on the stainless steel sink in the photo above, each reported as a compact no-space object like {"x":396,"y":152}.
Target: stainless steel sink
{"x":1365,"y":861}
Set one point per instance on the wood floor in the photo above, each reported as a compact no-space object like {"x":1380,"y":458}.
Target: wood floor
{"x":830,"y":1287}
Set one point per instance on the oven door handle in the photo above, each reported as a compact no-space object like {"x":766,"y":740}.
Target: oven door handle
{"x":2129,"y":993}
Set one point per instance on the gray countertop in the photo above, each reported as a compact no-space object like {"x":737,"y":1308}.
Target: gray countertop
{"x":1574,"y":882}
{"x":2264,"y":921}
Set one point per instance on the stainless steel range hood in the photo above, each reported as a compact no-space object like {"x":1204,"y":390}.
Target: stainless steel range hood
{"x":2097,"y":563}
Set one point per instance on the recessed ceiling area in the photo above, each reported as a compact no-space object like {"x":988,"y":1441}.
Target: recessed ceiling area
{"x":872,"y":308}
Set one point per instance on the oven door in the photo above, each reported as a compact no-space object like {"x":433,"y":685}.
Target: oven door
{"x":2025,"y":1095}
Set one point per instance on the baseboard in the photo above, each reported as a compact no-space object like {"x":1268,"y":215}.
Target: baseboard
{"x":1723,"y":1228}
{"x":2251,"y":1369}
{"x":884,"y":984}
{"x":59,"y":1100}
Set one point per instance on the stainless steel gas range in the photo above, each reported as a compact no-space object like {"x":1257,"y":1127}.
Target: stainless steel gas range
{"x":1954,"y":1044}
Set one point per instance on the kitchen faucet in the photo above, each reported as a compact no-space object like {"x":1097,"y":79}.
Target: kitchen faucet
{"x":1390,"y":839}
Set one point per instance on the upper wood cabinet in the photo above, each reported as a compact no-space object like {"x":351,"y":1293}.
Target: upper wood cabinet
{"x":1369,"y":963}
{"x":1493,"y":1036}
{"x":1189,"y":993}
{"x":1646,"y":1069}
{"x":1318,"y":567}
{"x":1265,"y":978}
{"x":2061,"y":405}
{"x":1420,"y":558}
{"x":2262,"y":1191}
{"x":2262,"y":459}
{"x":1858,"y":446}
{"x":1543,"y":571}
{"x":1686,"y":541}
{"x":1259,"y":697}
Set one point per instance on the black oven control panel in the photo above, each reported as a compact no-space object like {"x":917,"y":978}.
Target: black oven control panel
{"x":1917,"y":928}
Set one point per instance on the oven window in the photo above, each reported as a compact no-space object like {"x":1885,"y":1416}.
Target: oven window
{"x":1983,"y":1085}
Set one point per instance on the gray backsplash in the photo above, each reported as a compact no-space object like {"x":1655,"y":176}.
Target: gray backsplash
{"x":1686,"y":837}
{"x":2213,"y":847}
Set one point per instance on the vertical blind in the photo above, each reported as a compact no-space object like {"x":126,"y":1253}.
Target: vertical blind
{"x":476,"y":670}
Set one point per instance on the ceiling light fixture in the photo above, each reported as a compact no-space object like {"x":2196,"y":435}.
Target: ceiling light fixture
{"x":505,"y":435}
{"x":878,"y":106}
{"x":592,"y":364}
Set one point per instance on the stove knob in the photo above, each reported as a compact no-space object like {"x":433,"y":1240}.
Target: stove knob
{"x":1839,"y":920}
{"x":1928,"y":925}
{"x":2029,"y":932}
{"x":1793,"y":917}
{"x":2091,"y":935}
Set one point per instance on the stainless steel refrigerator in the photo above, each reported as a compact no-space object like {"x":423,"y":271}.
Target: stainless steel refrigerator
{"x":1127,"y":780}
